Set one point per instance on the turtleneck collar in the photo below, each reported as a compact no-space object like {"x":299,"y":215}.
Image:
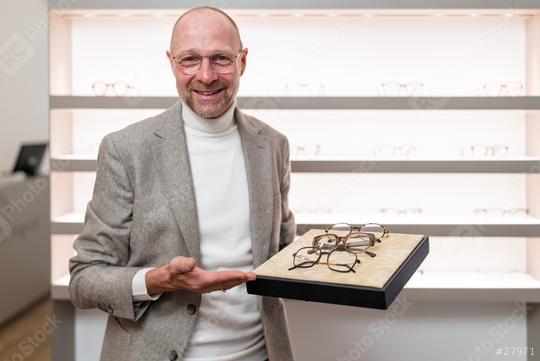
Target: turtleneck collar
{"x":194,"y":122}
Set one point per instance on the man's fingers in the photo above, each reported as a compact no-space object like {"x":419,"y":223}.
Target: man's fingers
{"x":196,"y":279}
{"x":222,"y":286}
{"x":179,"y":265}
{"x":223,"y":280}
{"x":229,"y":285}
{"x":222,"y":277}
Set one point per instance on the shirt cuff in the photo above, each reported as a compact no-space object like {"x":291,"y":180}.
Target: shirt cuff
{"x":138,"y":287}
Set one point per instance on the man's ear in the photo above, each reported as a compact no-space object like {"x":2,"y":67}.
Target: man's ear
{"x":171,"y":60}
{"x":243,"y":61}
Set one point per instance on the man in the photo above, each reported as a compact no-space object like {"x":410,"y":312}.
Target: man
{"x":186,"y":203}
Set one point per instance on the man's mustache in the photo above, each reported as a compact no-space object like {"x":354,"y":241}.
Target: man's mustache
{"x":207,"y":88}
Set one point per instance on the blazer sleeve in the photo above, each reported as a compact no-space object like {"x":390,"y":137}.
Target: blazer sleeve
{"x":99,"y":276}
{"x":288,"y":225}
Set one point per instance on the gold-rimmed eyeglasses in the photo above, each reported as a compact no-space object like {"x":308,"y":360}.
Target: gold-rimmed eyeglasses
{"x":351,"y":238}
{"x":341,"y":243}
{"x":221,"y":62}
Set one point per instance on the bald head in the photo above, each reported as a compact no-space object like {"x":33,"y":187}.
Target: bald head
{"x":198,"y":19}
{"x":209,"y":33}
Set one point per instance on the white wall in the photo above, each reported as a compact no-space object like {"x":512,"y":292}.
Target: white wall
{"x":24,"y":119}
{"x":23,"y":76}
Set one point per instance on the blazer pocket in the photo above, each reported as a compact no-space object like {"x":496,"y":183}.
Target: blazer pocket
{"x":119,"y":323}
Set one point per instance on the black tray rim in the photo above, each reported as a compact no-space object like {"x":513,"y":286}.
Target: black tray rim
{"x":343,"y":294}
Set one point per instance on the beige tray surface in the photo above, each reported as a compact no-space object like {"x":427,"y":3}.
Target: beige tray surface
{"x":371,"y":272}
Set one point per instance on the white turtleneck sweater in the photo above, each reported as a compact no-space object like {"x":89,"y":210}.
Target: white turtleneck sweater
{"x":228,"y":326}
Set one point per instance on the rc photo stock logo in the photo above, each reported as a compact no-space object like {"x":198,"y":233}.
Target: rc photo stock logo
{"x":15,"y":53}
{"x":5,"y":229}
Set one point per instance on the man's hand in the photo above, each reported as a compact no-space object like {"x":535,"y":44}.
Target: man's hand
{"x":181,"y":273}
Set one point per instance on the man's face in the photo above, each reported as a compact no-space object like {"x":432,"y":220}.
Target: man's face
{"x":207,"y":92}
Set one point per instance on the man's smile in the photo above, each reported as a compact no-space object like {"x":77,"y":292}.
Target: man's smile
{"x":209,"y":94}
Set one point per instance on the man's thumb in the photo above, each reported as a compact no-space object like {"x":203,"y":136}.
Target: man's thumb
{"x":179,"y":265}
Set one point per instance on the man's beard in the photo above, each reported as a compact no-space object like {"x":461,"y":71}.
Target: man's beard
{"x":209,"y":110}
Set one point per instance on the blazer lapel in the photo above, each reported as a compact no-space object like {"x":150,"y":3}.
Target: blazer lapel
{"x":171,"y":150}
{"x":258,"y":160}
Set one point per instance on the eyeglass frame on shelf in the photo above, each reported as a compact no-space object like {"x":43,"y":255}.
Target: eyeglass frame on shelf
{"x":489,"y":150}
{"x":401,"y":211}
{"x":301,"y":149}
{"x":506,"y":86}
{"x":305,"y":89}
{"x":410,"y":88}
{"x":396,"y":150}
{"x":113,"y":86}
{"x":504,"y":212}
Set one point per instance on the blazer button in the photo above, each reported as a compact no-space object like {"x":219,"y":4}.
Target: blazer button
{"x":191,"y":308}
{"x":173,"y":355}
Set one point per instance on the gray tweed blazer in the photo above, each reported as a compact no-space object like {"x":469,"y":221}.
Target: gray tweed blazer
{"x":143,"y":213}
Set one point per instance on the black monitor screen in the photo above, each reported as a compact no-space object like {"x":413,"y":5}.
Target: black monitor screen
{"x":29,"y":159}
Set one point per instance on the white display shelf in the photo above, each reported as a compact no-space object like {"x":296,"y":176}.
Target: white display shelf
{"x":74,"y":163}
{"x":290,"y":102}
{"x":436,"y":286}
{"x":69,"y":223}
{"x":88,"y":163}
{"x":472,"y":287}
{"x":443,"y":226}
{"x":393,"y":5}
{"x":514,"y":164}
{"x":431,"y":225}
{"x":59,"y":289}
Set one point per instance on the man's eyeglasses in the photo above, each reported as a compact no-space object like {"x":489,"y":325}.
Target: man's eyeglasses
{"x":221,"y":62}
{"x":342,"y":243}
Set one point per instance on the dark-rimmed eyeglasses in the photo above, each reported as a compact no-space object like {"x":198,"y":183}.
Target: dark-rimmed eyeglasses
{"x":221,"y":62}
{"x":337,"y":260}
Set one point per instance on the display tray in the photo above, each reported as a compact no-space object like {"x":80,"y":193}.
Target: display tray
{"x":375,"y":284}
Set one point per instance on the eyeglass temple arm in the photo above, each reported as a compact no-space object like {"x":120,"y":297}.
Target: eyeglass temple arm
{"x":369,"y":253}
